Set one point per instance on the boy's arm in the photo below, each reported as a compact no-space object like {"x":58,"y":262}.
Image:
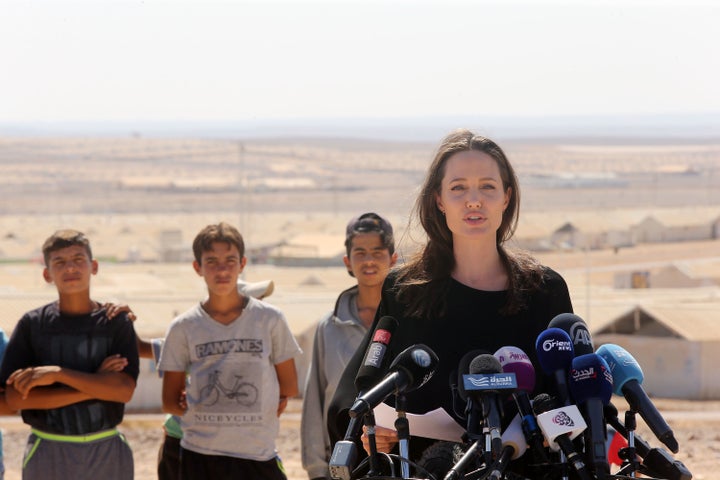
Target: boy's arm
{"x":110,"y":386}
{"x":172,"y":393}
{"x":42,"y":398}
{"x":4,"y":407}
{"x":145,"y":349}
{"x":287,"y":380}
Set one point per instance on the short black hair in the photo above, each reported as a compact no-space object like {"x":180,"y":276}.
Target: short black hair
{"x":370,"y":223}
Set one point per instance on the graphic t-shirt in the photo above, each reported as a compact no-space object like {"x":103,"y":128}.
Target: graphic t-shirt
{"x":232,"y":387}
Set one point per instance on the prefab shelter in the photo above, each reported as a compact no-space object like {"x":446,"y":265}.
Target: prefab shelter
{"x":678,"y":347}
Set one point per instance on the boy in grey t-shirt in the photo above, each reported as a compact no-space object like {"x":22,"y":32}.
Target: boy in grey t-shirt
{"x":238,"y":354}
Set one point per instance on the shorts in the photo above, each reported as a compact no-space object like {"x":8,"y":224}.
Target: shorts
{"x":198,"y":466}
{"x":103,"y":455}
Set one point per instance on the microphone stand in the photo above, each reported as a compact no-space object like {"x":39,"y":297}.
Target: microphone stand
{"x":628,"y":454}
{"x":564,"y":466}
{"x":374,"y":470}
{"x":403,"y":431}
{"x":488,"y":454}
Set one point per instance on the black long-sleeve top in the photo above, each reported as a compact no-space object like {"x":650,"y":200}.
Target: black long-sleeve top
{"x":472,"y":321}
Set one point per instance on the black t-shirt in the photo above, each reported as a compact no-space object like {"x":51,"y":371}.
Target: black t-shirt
{"x":473,"y":321}
{"x":45,"y":336}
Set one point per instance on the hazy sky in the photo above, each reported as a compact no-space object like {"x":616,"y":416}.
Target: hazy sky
{"x":233,"y":60}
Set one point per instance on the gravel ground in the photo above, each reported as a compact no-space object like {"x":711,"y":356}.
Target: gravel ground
{"x":696,"y":426}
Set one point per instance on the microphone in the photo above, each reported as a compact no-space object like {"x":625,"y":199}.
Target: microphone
{"x":576,"y":328}
{"x":628,"y":379}
{"x":514,"y":446}
{"x":374,"y":362}
{"x":516,"y":361}
{"x":555,"y":353}
{"x":344,"y":455}
{"x":591,"y":386}
{"x":659,"y":462}
{"x":484,"y":384}
{"x":410,"y":370}
{"x":560,"y":426}
{"x":472,"y":411}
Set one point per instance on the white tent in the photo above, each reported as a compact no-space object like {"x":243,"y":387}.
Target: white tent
{"x":677,"y":347}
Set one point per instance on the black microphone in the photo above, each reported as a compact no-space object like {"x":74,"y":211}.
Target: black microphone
{"x":560,"y":426}
{"x":472,"y":409}
{"x":591,"y":386}
{"x":483,"y":384}
{"x":658,"y":462}
{"x":410,"y":370}
{"x":375,"y":361}
{"x":628,"y":378}
{"x":577,"y":330}
{"x":345,"y":452}
{"x":469,"y":458}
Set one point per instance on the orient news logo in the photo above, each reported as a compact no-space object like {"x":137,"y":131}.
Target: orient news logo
{"x":558,"y":345}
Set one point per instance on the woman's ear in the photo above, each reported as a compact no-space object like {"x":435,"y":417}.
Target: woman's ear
{"x":438,"y":203}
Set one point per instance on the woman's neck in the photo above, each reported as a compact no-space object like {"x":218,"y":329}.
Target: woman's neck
{"x":479,"y":266}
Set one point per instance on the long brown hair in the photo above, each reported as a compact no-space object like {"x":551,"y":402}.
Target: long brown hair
{"x":423,"y":281}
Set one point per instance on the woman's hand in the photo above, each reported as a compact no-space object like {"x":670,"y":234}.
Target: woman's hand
{"x":385,"y":439}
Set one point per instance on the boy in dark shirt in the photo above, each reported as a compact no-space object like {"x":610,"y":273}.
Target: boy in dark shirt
{"x":70,"y":370}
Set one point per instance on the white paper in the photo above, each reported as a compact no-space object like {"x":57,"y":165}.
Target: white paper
{"x":435,"y":424}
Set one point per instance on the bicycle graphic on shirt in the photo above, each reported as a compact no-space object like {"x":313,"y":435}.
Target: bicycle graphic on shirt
{"x":245,"y":393}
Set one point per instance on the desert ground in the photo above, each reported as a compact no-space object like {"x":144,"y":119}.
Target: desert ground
{"x":142,"y":200}
{"x":696,"y":426}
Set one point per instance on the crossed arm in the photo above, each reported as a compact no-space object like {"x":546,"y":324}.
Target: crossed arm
{"x":29,"y":388}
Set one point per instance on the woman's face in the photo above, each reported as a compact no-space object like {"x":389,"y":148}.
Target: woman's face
{"x":472,"y":195}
